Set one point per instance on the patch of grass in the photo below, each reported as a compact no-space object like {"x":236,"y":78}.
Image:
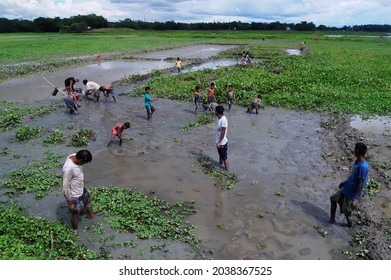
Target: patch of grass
{"x":55,"y":137}
{"x":26,"y":237}
{"x":201,"y":120}
{"x":227,"y":182}
{"x":373,"y":187}
{"x":36,"y":177}
{"x":26,"y":133}
{"x":147,"y":217}
{"x":82,"y":137}
{"x":12,"y":114}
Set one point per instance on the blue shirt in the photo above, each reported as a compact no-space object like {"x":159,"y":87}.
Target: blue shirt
{"x":359,"y":171}
{"x":147,"y":99}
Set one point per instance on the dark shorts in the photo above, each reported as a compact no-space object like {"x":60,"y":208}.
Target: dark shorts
{"x":80,"y":202}
{"x":223,"y":152}
{"x":345,"y":204}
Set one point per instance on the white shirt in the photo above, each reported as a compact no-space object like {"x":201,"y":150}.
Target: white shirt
{"x":92,"y":86}
{"x":72,"y":179}
{"x":223,"y":122}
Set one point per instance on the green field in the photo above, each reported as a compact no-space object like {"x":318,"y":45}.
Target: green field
{"x":339,"y":74}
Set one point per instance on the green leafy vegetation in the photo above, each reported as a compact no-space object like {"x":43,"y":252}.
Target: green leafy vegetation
{"x":26,"y":237}
{"x":227,"y":181}
{"x":25,"y":133}
{"x":147,"y":217}
{"x":12,"y":114}
{"x":82,"y":137}
{"x":55,"y":137}
{"x":36,"y":177}
{"x":201,"y":120}
{"x":373,"y":187}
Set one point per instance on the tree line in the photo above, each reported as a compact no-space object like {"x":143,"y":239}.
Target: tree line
{"x":83,"y":23}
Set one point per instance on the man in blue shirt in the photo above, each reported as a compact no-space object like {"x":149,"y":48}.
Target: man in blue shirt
{"x":351,"y":190}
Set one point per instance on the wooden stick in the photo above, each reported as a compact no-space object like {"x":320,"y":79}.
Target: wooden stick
{"x":62,"y":92}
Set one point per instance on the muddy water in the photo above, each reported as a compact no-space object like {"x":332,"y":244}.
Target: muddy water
{"x":283,"y":184}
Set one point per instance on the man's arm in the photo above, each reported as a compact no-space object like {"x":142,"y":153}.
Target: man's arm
{"x":66,"y":186}
{"x":359,"y":188}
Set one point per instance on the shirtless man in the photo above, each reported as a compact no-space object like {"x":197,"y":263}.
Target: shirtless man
{"x":116,"y":131}
{"x":211,"y":93}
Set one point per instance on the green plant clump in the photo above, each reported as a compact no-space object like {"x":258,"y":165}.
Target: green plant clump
{"x":55,"y":137}
{"x":26,"y":237}
{"x":35,"y":178}
{"x":82,"y":137}
{"x":147,"y":217}
{"x":26,"y":133}
{"x":373,"y":187}
{"x":201,"y":120}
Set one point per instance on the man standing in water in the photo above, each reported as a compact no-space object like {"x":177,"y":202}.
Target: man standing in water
{"x":351,"y":190}
{"x":221,"y":137}
{"x":75,"y":192}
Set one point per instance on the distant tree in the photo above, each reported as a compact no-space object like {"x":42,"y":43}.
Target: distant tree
{"x":42,"y":24}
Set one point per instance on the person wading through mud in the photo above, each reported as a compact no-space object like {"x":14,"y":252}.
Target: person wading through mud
{"x":116,"y":131}
{"x":221,"y":137}
{"x":350,"y":191}
{"x":148,"y":103}
{"x":74,"y":190}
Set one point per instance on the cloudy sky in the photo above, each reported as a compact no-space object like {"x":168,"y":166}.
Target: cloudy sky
{"x":327,"y":12}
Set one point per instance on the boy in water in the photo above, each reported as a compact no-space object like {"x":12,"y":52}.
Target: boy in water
{"x":178,"y":64}
{"x":211,"y":94}
{"x":196,"y":99}
{"x":255,"y":103}
{"x":148,"y":103}
{"x":116,"y":131}
{"x":107,"y":91}
{"x":230,"y":97}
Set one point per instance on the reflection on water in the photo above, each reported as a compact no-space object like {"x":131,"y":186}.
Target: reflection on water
{"x":377,"y":125}
{"x":361,"y":36}
{"x":293,"y":51}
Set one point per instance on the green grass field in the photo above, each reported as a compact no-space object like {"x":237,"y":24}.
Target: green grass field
{"x":340,"y":74}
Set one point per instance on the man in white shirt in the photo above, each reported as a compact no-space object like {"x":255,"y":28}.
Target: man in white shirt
{"x":93,"y":88}
{"x":75,"y":193}
{"x":221,"y":137}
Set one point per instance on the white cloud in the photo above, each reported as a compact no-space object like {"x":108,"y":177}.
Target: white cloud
{"x":330,"y":13}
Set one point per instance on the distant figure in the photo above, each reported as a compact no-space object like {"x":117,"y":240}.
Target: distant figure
{"x":196,"y":98}
{"x":255,"y":104}
{"x":211,"y":93}
{"x":230,"y":97}
{"x":116,"y":131}
{"x":351,"y":190}
{"x":93,"y":89}
{"x":107,"y":91}
{"x":178,"y":64}
{"x":303,"y":46}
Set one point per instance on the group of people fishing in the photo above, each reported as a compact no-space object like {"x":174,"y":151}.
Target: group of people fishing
{"x":92,"y":92}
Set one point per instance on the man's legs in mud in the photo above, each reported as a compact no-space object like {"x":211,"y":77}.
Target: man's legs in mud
{"x":89,"y":208}
{"x":333,"y":210}
{"x":350,"y":224}
{"x":75,"y":220}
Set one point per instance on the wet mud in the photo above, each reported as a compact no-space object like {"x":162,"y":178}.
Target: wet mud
{"x":275,"y":210}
